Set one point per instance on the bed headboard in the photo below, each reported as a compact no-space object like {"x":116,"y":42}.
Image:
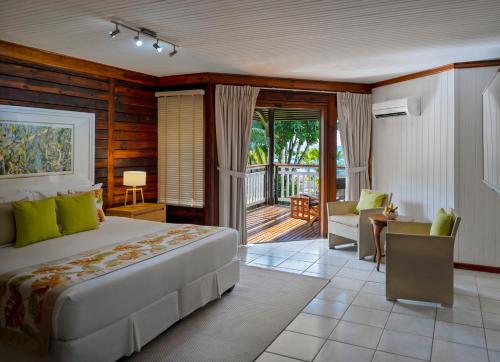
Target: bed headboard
{"x":44,"y":149}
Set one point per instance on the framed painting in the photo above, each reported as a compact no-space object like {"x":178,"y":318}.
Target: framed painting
{"x":40,"y":147}
{"x":31,"y":149}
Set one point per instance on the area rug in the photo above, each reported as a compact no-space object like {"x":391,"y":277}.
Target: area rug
{"x":240,"y":325}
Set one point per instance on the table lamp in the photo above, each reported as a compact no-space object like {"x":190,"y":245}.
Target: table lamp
{"x":134,"y":179}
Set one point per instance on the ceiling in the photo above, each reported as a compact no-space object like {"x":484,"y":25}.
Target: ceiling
{"x":348,"y":40}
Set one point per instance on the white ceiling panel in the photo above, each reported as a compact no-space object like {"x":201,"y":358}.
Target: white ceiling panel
{"x":348,"y":40}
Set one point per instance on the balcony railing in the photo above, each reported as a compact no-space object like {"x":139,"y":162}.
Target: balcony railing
{"x":297,"y":179}
{"x":255,"y":185}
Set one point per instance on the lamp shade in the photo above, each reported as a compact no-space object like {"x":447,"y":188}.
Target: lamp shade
{"x":134,"y":178}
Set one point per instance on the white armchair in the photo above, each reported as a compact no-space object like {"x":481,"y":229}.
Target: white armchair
{"x":419,"y":266}
{"x":345,"y":227}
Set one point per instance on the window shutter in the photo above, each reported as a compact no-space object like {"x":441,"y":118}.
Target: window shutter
{"x":181,"y":148}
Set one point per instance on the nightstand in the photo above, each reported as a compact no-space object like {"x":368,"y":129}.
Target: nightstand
{"x":145,"y":211}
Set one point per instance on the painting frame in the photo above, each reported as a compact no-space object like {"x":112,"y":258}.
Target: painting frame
{"x":82,"y":125}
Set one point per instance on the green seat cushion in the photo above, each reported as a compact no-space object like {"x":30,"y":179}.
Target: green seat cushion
{"x":77,"y":213}
{"x":369,"y":200}
{"x":442,"y":224}
{"x":35,"y":221}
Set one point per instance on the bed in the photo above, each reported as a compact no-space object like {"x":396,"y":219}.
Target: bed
{"x":116,"y":314}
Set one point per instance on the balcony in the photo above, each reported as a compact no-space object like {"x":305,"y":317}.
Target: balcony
{"x":268,"y":193}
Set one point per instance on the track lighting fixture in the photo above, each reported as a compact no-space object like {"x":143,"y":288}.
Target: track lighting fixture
{"x":115,"y":32}
{"x":138,"y":40}
{"x":173,"y":52}
{"x":157,"y":46}
{"x":144,"y":32}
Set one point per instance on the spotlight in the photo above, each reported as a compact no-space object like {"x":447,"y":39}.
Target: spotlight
{"x":115,"y":32}
{"x":138,"y":40}
{"x":157,"y":46}
{"x":173,"y":52}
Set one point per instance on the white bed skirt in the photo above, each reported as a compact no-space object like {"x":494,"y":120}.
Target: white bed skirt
{"x":130,"y":334}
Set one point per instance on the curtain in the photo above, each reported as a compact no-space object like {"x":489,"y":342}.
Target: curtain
{"x":234,"y":108}
{"x":355,"y":126}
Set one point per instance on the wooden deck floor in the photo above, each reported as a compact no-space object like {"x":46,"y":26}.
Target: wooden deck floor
{"x":273,"y":223}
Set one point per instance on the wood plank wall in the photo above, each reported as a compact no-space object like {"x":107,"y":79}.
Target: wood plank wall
{"x":125,"y":115}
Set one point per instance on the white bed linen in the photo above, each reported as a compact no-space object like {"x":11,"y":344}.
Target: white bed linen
{"x":96,"y":303}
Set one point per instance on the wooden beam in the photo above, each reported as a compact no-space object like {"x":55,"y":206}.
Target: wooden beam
{"x":444,"y":68}
{"x":111,"y":164}
{"x":267,"y":82}
{"x":17,"y":51}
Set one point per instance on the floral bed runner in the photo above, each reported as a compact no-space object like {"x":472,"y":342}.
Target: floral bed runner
{"x":28,"y":295}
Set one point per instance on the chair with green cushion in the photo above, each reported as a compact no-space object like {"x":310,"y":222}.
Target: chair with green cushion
{"x":419,"y":259}
{"x":348,"y":220}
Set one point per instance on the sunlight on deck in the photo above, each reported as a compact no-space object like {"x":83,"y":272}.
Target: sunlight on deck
{"x":273,"y":223}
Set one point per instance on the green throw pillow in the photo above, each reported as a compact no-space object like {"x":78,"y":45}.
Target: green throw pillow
{"x":77,"y":213}
{"x":35,"y":221}
{"x":443,"y":224}
{"x":369,"y":200}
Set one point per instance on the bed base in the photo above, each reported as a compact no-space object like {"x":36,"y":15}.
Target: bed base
{"x":130,"y":334}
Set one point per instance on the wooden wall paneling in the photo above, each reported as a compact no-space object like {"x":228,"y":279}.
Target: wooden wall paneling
{"x":111,"y":166}
{"x":64,"y":62}
{"x":26,"y":84}
{"x":135,"y":140}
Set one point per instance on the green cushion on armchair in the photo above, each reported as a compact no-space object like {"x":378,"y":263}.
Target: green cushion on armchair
{"x":369,"y":200}
{"x":442,"y":224}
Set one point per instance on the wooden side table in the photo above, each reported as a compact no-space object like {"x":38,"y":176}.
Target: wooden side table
{"x":145,"y":211}
{"x":379,"y":222}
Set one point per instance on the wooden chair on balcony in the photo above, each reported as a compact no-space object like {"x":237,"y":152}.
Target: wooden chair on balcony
{"x":305,"y":207}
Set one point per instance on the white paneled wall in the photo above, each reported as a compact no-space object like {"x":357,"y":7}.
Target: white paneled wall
{"x":479,"y":240}
{"x":435,"y":160}
{"x":414,"y":156}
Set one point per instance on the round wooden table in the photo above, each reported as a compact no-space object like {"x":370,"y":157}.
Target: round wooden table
{"x":379,"y":222}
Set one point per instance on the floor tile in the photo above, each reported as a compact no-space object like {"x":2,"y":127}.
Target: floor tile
{"x":411,"y":324}
{"x":333,"y":260}
{"x":347,"y":283}
{"x":295,"y":264}
{"x":406,"y":344}
{"x":249,"y":257}
{"x":296,"y":345}
{"x":313,"y":325}
{"x":490,"y":305}
{"x":336,"y":351}
{"x":374,"y":288}
{"x":368,"y":316}
{"x":460,"y":333}
{"x":271,"y":357}
{"x":323,"y":269}
{"x":443,"y":351}
{"x":356,"y":334}
{"x":381,"y":356}
{"x":494,"y":356}
{"x":377,"y":277}
{"x":493,"y":339}
{"x":360,"y":264}
{"x":466,"y":301}
{"x":268,"y":260}
{"x":491,"y":321}
{"x":326,"y":308}
{"x":336,"y":294}
{"x":492,"y":293}
{"x":470,"y":317}
{"x":280,"y":253}
{"x":354,"y":273}
{"x":260,"y":248}
{"x":488,"y":282}
{"x":304,"y":257}
{"x":418,"y":310}
{"x":374,"y":301}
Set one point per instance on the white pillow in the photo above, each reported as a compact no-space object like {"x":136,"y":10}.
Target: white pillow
{"x":17,"y":196}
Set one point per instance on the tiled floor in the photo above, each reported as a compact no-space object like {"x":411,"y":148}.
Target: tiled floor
{"x":350,"y":319}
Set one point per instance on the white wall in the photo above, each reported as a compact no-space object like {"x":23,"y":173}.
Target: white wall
{"x":413,"y":156}
{"x":479,"y":240}
{"x":435,"y":160}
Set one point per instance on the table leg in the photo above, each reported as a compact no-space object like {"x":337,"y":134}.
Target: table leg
{"x":377,"y":229}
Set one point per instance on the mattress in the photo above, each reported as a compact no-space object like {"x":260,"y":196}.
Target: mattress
{"x":94,"y":304}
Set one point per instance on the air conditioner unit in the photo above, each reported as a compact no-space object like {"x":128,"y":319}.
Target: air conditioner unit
{"x":397,"y":108}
